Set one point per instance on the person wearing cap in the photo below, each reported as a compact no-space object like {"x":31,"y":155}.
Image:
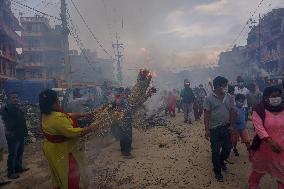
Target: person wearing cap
{"x":188,"y":98}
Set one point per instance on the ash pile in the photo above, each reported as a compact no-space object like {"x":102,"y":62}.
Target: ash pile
{"x":33,"y":122}
{"x":144,"y":120}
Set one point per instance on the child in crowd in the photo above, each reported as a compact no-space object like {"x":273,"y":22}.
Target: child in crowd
{"x":240,"y":126}
{"x":172,"y":104}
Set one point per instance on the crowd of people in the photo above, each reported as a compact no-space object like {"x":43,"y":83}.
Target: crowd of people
{"x":226,"y":113}
{"x":187,"y":100}
{"x":227,"y":108}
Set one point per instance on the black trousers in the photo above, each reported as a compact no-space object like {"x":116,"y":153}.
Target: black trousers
{"x":126,"y":143}
{"x":126,"y":138}
{"x":15,"y":153}
{"x":220,"y":146}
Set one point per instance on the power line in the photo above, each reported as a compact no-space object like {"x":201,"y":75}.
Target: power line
{"x":89,"y":29}
{"x":19,"y":9}
{"x":40,"y":3}
{"x":73,"y":30}
{"x":248,"y":22}
{"x":35,"y":10}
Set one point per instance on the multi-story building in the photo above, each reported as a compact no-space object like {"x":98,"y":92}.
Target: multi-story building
{"x":87,"y":67}
{"x":43,"y":55}
{"x":265,"y":43}
{"x":233,"y":63}
{"x":9,"y":41}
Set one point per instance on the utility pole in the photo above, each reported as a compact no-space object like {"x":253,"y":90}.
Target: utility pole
{"x":118,"y":54}
{"x":65,"y":30}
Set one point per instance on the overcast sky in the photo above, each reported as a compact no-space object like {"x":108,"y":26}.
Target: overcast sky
{"x":163,"y":34}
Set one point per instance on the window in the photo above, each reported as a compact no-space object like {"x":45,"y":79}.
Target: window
{"x":29,"y":27}
{"x":34,"y":43}
{"x":39,"y":75}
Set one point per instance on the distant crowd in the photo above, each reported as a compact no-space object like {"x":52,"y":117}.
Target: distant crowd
{"x":187,"y":100}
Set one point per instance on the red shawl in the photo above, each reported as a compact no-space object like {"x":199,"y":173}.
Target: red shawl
{"x":59,"y":138}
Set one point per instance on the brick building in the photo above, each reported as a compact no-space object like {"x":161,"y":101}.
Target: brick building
{"x":9,"y":41}
{"x":43,"y":55}
{"x":97,"y":70}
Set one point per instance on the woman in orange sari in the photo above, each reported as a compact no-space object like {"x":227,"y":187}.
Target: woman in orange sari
{"x":62,"y":134}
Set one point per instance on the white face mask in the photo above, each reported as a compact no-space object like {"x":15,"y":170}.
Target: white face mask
{"x":276,"y":101}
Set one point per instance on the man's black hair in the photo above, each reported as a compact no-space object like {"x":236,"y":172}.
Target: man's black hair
{"x":220,"y":81}
{"x":240,"y":97}
{"x":231,"y":89}
{"x":269,"y":90}
{"x":12,"y":93}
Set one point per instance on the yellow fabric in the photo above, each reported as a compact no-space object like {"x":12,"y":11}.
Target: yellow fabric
{"x":57,"y":154}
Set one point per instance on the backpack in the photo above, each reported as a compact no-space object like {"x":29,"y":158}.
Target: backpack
{"x":260,"y":110}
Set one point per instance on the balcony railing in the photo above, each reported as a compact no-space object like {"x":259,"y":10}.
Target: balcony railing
{"x":7,"y":56}
{"x":37,"y":19}
{"x":42,"y":49}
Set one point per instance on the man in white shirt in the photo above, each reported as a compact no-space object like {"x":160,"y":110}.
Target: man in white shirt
{"x":241,"y":89}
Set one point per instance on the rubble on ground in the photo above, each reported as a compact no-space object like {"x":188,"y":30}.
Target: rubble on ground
{"x":143,"y":121}
{"x":33,"y":122}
